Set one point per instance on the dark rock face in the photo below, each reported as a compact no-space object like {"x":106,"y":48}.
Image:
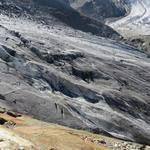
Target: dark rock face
{"x":57,"y":74}
{"x":100,"y":9}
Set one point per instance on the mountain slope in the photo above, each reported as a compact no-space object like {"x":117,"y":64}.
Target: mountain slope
{"x":100,"y":9}
{"x":61,"y":11}
{"x":61,"y":75}
{"x":26,"y":133}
